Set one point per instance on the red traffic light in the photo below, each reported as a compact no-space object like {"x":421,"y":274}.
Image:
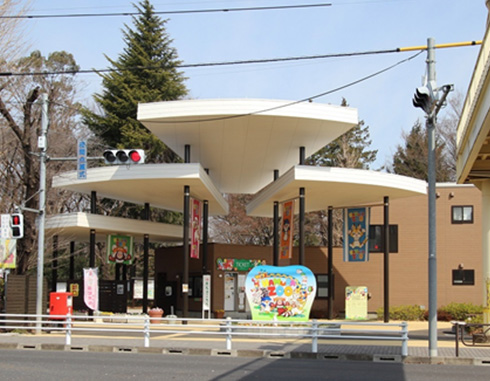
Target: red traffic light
{"x":124,"y":156}
{"x":135,"y":156}
{"x":17,"y":225}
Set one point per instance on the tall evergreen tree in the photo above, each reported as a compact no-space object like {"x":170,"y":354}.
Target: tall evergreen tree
{"x":411,"y":159}
{"x":348,"y":151}
{"x":146,"y":71}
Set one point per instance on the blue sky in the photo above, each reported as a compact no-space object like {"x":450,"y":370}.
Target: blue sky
{"x":383,"y":102}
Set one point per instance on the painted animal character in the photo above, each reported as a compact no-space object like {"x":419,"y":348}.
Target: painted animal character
{"x":356,"y":232}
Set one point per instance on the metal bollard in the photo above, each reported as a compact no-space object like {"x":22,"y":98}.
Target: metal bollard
{"x":146,"y":332}
{"x":314,"y":338}
{"x":228,"y":333}
{"x":405,"y":339}
{"x":68,"y":330}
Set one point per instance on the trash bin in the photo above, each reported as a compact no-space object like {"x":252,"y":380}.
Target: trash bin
{"x":60,"y":303}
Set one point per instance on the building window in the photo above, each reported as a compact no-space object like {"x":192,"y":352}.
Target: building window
{"x":376,"y":239}
{"x":462,"y":215}
{"x":463,"y":277}
{"x":322,"y":285}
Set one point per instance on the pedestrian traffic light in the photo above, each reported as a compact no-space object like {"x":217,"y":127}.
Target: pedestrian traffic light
{"x":17,"y":225}
{"x":423,"y":99}
{"x":124,"y":156}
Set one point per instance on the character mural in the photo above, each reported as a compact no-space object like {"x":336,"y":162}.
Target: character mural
{"x":356,"y":233}
{"x":282,"y":293}
{"x":120,"y":249}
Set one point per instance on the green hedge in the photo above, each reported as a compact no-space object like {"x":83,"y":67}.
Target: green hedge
{"x":407,"y":313}
{"x":453,"y":311}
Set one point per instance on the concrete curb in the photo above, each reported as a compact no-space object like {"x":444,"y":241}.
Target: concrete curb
{"x":253,"y":353}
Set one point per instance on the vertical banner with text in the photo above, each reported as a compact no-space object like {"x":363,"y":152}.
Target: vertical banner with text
{"x":91,"y":288}
{"x":286,"y":241}
{"x":356,"y":233}
{"x":195,"y":227}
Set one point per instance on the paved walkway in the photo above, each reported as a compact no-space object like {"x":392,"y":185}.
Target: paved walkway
{"x":271,"y":347}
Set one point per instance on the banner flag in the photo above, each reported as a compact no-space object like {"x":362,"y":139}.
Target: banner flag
{"x":8,"y":253}
{"x":287,"y":223}
{"x":195,"y":227}
{"x":91,"y":288}
{"x":356,"y":233}
{"x":119,"y":249}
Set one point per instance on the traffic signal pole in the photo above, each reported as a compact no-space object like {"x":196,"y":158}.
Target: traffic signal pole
{"x":431,"y":77}
{"x":41,"y":217}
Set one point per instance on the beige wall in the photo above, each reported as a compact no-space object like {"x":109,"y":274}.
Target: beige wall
{"x":456,"y":244}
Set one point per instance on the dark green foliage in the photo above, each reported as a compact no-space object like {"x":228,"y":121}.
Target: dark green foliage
{"x":459,"y":311}
{"x":453,"y":311}
{"x":411,"y":159}
{"x":348,"y":151}
{"x":404,"y":313}
{"x":145,"y":72}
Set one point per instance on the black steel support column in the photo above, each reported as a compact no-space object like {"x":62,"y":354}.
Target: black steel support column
{"x":302,"y":155}
{"x":146,"y":250}
{"x":386,"y":262}
{"x":205,"y":216}
{"x":330,"y":263}
{"x":185,"y":281}
{"x":92,"y":249}
{"x":54,"y":264}
{"x":72,"y":260}
{"x":302,"y":226}
{"x":93,"y":210}
{"x":276,"y":234}
{"x":187,"y":153}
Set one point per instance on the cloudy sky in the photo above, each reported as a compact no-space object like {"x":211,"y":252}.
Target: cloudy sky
{"x":346,"y":26}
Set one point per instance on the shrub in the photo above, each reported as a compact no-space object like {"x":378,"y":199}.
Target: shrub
{"x":411,"y":312}
{"x":460,"y":311}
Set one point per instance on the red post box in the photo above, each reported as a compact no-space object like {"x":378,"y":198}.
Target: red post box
{"x":60,"y":303}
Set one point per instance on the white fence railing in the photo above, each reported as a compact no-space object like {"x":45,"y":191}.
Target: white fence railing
{"x":227,"y":328}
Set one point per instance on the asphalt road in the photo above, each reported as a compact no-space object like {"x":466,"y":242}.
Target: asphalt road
{"x":61,"y":365}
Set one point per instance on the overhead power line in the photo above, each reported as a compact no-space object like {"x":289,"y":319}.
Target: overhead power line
{"x":243,"y":62}
{"x":308,"y":99}
{"x":190,"y":11}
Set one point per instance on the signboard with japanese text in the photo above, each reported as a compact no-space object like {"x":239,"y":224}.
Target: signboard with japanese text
{"x":91,"y":288}
{"x":82,"y":160}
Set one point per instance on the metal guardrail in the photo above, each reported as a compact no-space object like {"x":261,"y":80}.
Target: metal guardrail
{"x":228,"y":328}
{"x":479,"y":333}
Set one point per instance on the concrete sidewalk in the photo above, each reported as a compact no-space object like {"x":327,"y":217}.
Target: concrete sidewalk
{"x":331,"y":349}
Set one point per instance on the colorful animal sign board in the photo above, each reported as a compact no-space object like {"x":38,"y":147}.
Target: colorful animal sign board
{"x":356,"y":233}
{"x":119,"y":249}
{"x":280,"y":293}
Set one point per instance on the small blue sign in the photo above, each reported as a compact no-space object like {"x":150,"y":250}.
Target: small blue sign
{"x":82,"y":160}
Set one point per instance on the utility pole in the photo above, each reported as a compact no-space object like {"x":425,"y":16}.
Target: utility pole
{"x":426,"y":97}
{"x":42,"y":143}
{"x":431,"y":117}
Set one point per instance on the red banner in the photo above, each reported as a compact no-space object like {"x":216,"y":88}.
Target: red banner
{"x":195,"y":227}
{"x":286,"y":241}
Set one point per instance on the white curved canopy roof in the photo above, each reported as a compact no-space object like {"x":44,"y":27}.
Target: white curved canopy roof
{"x":160,"y":185}
{"x":336,"y":187}
{"x":242,"y":141}
{"x":77,"y":226}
